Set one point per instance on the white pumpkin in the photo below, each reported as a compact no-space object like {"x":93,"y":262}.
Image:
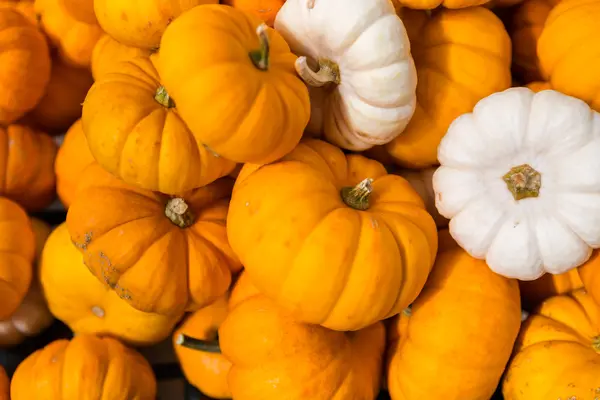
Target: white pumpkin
{"x":422,"y":182}
{"x":520,"y":182}
{"x":363,"y":90}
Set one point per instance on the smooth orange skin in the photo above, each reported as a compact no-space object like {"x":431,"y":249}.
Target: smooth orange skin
{"x":569,"y":50}
{"x":554,"y":357}
{"x":75,"y":296}
{"x":25,"y":60}
{"x":133,"y":248}
{"x":274,"y":356}
{"x":81,"y":10}
{"x":72,"y":159}
{"x":4,"y":385}
{"x":85,"y":368}
{"x":459,"y":333}
{"x":461,"y":57}
{"x":257,"y":117}
{"x":535,"y":292}
{"x":108,"y":53}
{"x":27,"y":160}
{"x":590,"y":276}
{"x":205,"y":371}
{"x":330,"y":264}
{"x":264,"y":9}
{"x":17,"y":251}
{"x":73,"y":39}
{"x":149,"y":145}
{"x":141,"y":24}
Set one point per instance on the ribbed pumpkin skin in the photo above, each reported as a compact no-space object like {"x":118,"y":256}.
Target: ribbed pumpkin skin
{"x":108,"y":53}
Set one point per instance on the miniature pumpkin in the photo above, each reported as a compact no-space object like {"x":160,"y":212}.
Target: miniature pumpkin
{"x":27,"y":160}
{"x":108,"y":54}
{"x":421,"y":181}
{"x":348,"y":244}
{"x":557,"y":354}
{"x":26,"y":69}
{"x":86,"y":365}
{"x":161,"y":254}
{"x":504,"y":164}
{"x":526,"y":27}
{"x":17,"y":251}
{"x":569,"y":49}
{"x":61,"y":105}
{"x":475,"y":309}
{"x":32,"y":317}
{"x":590,"y":276}
{"x":81,"y":10}
{"x":264,"y":9}
{"x":74,"y":40}
{"x":203,"y":365}
{"x":271,"y":103}
{"x":362,"y":79}
{"x":461,"y":57}
{"x":72,"y":159}
{"x":26,"y":8}
{"x":149,"y":145}
{"x":4,"y":385}
{"x":141,"y":24}
{"x":82,"y":302}
{"x":548,"y":285}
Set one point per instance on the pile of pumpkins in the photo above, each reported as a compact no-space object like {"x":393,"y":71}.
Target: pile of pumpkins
{"x":314,"y":199}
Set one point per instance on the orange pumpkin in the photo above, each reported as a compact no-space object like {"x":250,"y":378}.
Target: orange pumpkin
{"x":27,"y":160}
{"x":204,"y":366}
{"x":160,"y":254}
{"x":149,"y":145}
{"x":61,"y":105}
{"x":25,"y":70}
{"x":557,"y":354}
{"x":17,"y":251}
{"x":266,"y":10}
{"x":431,"y":4}
{"x":141,"y":24}
{"x":534,"y":292}
{"x":4,"y":385}
{"x":81,"y":10}
{"x":461,"y":57}
{"x":539,"y":86}
{"x":422,"y":182}
{"x":72,"y":159}
{"x":89,"y":366}
{"x":73,"y":39}
{"x":348,"y":244}
{"x":466,"y":319}
{"x":24,"y":7}
{"x":108,"y":53}
{"x":590,"y":276}
{"x":271,"y":102}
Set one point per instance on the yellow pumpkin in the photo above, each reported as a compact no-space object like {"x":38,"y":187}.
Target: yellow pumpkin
{"x":348,"y":245}
{"x":461,"y":57}
{"x":534,"y":292}
{"x":108,"y":53}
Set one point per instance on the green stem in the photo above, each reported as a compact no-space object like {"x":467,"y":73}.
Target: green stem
{"x":197,"y":344}
{"x":523,"y":181}
{"x":163,"y":98}
{"x":260,"y":57}
{"x":357,"y":197}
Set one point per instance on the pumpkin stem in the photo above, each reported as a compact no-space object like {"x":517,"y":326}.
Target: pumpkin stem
{"x":179,"y":212}
{"x":596,"y":343}
{"x":163,"y":98}
{"x":523,"y":182}
{"x":197,"y":344}
{"x":329,"y":72}
{"x":260,"y":57}
{"x":357,"y":197}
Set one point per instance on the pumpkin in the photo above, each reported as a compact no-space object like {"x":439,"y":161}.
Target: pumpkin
{"x":421,"y":181}
{"x":271,"y":103}
{"x":161,"y":254}
{"x":71,"y":160}
{"x":24,"y":7}
{"x":4,"y":385}
{"x":204,"y":366}
{"x":548,"y":285}
{"x":73,"y":39}
{"x":141,"y":25}
{"x":461,"y":57}
{"x":32,"y":317}
{"x":81,"y":10}
{"x":83,"y":303}
{"x":590,"y":277}
{"x":61,"y":105}
{"x":87,"y":364}
{"x":305,"y":361}
{"x":539,"y":86}
{"x":568,"y":50}
{"x":25,"y":70}
{"x":479,"y":313}
{"x":348,"y":244}
{"x":17,"y":251}
{"x":108,"y":54}
{"x":149,"y":145}
{"x":264,"y":9}
{"x":557,"y":353}
{"x":504,"y":164}
{"x":27,"y":173}
{"x":526,"y":27}
{"x":362,"y":79}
